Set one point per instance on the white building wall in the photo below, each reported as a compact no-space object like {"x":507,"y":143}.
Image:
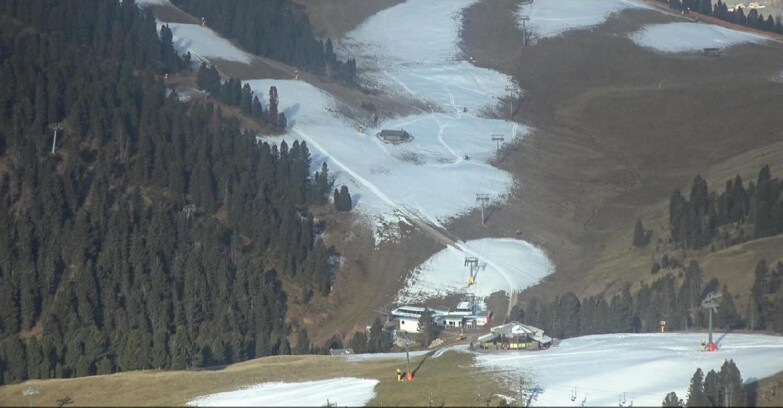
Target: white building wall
{"x":409,"y":324}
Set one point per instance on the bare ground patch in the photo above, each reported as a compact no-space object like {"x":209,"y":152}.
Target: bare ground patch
{"x":618,"y":127}
{"x":335,"y":18}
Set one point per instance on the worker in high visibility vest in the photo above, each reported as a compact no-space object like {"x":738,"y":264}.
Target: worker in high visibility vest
{"x":399,"y":375}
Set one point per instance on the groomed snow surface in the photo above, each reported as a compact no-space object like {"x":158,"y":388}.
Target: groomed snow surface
{"x":203,"y":43}
{"x":684,"y":37}
{"x":410,"y":49}
{"x":346,"y":391}
{"x":643,"y":366}
{"x":413,"y":49}
{"x":504,"y":265}
{"x":550,"y":18}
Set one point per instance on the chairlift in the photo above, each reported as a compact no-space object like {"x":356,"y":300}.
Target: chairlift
{"x":573,"y":394}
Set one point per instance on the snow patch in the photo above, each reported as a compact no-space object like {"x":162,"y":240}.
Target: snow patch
{"x":505,"y":264}
{"x":203,"y":43}
{"x":643,"y":366}
{"x":684,"y":37}
{"x":147,"y":3}
{"x":550,"y":18}
{"x":376,"y":356}
{"x":412,"y":49}
{"x":345,"y":391}
{"x":427,"y":178}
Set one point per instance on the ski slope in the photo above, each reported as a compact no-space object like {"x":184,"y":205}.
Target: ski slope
{"x":685,"y":37}
{"x":643,"y":366}
{"x":203,"y":43}
{"x":412,"y":50}
{"x":505,"y":264}
{"x":346,"y":391}
{"x":550,"y":18}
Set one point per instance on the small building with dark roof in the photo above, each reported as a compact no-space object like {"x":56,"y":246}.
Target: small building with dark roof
{"x":394,"y":136}
{"x":515,"y":336}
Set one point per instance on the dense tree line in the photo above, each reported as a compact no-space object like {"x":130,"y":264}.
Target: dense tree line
{"x":276,"y":29}
{"x":678,"y":304}
{"x":716,"y":389}
{"x":378,"y":340}
{"x":695,"y":222}
{"x":232,"y":93}
{"x":159,"y":234}
{"x":104,"y":29}
{"x":720,"y":10}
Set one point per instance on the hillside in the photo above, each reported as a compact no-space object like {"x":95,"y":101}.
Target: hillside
{"x":618,"y":128}
{"x":185,"y":238}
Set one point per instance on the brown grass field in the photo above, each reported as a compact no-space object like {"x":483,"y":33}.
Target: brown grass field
{"x":450,"y":380}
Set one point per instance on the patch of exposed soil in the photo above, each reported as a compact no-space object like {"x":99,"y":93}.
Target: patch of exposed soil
{"x":618,"y":127}
{"x":335,"y":18}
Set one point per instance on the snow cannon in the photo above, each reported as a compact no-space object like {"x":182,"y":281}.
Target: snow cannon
{"x":409,"y":376}
{"x":712,"y":347}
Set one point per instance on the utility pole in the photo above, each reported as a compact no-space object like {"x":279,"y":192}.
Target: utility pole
{"x":482,"y":199}
{"x":524,"y":19}
{"x":710,"y":303}
{"x":498,"y":138}
{"x":55,"y":127}
{"x":472,"y":262}
{"x":30,"y":393}
{"x":510,"y":90}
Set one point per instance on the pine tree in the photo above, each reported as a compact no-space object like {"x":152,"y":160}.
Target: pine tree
{"x":302,"y":342}
{"x":379,"y":339}
{"x":359,"y":342}
{"x":759,"y":304}
{"x":696,"y":396}
{"x":731,"y":385}
{"x":727,"y":316}
{"x":639,"y":234}
{"x":672,"y":400}
{"x":345,"y":201}
{"x":712,"y":389}
{"x":271,"y":112}
{"x":427,"y":327}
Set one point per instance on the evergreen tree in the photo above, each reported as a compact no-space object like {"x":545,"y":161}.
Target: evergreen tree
{"x":359,"y":342}
{"x":727,"y":316}
{"x":379,"y":341}
{"x":712,"y":389}
{"x":696,"y":396}
{"x":641,"y":236}
{"x":731,"y":385}
{"x":671,"y":400}
{"x":302,"y":342}
{"x":427,"y":327}
{"x":759,"y":305}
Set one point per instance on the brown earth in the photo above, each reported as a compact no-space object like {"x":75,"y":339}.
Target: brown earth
{"x":449,"y":380}
{"x":335,"y":18}
{"x":618,"y":127}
